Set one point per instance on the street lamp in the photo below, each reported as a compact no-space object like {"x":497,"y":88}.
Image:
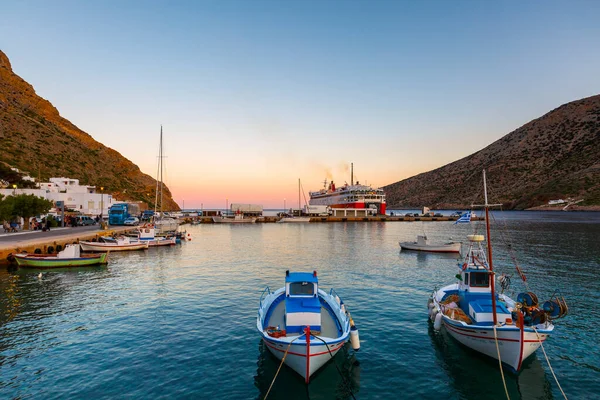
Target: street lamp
{"x":182,"y":204}
{"x":101,"y":202}
{"x":284,"y":204}
{"x":14,"y":190}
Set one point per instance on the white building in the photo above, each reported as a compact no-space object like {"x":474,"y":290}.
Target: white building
{"x":84,"y":199}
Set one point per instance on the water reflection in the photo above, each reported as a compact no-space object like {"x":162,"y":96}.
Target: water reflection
{"x":474,"y":376}
{"x":325,"y":384}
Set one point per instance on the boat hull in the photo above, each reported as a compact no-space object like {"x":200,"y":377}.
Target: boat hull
{"x":304,"y":356}
{"x":102,"y":247}
{"x":160,"y":242}
{"x":294,"y":220}
{"x":432,"y":248}
{"x":221,"y":220}
{"x":34,"y":261}
{"x":515,"y":344}
{"x":298,"y":359}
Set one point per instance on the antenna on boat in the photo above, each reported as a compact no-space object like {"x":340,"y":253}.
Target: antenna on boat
{"x":352,"y":173}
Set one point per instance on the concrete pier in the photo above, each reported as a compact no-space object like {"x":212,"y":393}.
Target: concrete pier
{"x":50,"y":242}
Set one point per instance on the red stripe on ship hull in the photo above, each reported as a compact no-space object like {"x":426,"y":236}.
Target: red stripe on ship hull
{"x":348,"y":205}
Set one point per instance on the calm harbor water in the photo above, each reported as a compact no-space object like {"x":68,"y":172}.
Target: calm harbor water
{"x":180,"y":322}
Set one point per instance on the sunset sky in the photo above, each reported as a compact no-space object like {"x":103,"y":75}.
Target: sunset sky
{"x":253,"y":95}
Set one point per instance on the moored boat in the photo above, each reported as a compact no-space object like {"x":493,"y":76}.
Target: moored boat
{"x":119,"y":244}
{"x":303,"y":325}
{"x":69,"y":257}
{"x":490,"y":323}
{"x":422,"y":244}
{"x":147,"y":235}
{"x":235,"y":219}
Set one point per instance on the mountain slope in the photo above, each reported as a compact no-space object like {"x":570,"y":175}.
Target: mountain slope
{"x":556,"y":156}
{"x":35,"y":138}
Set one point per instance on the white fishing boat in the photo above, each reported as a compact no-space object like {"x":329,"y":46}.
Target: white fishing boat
{"x":147,"y":234}
{"x":238,"y":218}
{"x":122,"y":243}
{"x":304,"y":326}
{"x":473,"y":313}
{"x":422,"y":244}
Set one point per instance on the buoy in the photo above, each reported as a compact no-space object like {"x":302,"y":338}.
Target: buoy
{"x":188,"y":236}
{"x":437,"y":325}
{"x":354,"y":339}
{"x":337,"y":298}
{"x":430,"y":304}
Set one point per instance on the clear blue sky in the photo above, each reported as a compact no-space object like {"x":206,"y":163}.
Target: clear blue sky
{"x":256,"y":94}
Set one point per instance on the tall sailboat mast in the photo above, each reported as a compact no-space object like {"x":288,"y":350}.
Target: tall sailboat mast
{"x":159,"y":177}
{"x":299,"y":194}
{"x":489,"y":248}
{"x":161,"y":172}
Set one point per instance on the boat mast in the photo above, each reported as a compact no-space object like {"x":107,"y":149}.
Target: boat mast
{"x":157,"y":174}
{"x":489,"y":248}
{"x":351,"y":174}
{"x":161,"y":173}
{"x":298,"y":194}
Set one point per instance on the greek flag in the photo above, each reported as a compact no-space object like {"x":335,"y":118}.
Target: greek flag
{"x":464,"y":219}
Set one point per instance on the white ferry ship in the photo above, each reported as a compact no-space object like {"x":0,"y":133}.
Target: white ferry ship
{"x":349,"y":196}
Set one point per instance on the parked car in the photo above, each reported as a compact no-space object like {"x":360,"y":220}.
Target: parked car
{"x":85,"y":220}
{"x":438,"y":215}
{"x":131,"y":221}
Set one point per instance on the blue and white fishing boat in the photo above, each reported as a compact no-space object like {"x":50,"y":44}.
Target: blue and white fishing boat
{"x":493,"y":324}
{"x":304,"y":326}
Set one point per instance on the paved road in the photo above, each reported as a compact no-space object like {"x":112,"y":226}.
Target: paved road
{"x":6,"y":238}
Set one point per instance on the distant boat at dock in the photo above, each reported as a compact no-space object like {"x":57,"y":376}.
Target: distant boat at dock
{"x":422,"y":244}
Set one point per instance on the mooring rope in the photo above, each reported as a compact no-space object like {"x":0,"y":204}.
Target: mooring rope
{"x":548,"y":361}
{"x":500,"y":363}
{"x":338,"y":370}
{"x":278,"y":369}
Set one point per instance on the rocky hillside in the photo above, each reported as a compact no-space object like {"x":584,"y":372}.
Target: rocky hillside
{"x":35,"y":138}
{"x":553,"y":157}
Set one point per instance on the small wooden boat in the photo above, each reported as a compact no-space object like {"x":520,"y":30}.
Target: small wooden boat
{"x":422,"y":244}
{"x":237,"y":219}
{"x":303,"y":325}
{"x":69,"y":257}
{"x":119,"y":244}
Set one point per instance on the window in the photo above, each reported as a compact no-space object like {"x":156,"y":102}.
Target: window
{"x":480,"y":279}
{"x":466,"y":279}
{"x":301,"y":288}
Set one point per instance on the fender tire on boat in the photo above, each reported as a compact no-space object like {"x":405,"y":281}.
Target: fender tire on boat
{"x":437,"y":324}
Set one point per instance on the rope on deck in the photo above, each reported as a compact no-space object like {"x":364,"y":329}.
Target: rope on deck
{"x":336,"y":367}
{"x":500,"y":363}
{"x":278,"y":369}
{"x":548,"y":361}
